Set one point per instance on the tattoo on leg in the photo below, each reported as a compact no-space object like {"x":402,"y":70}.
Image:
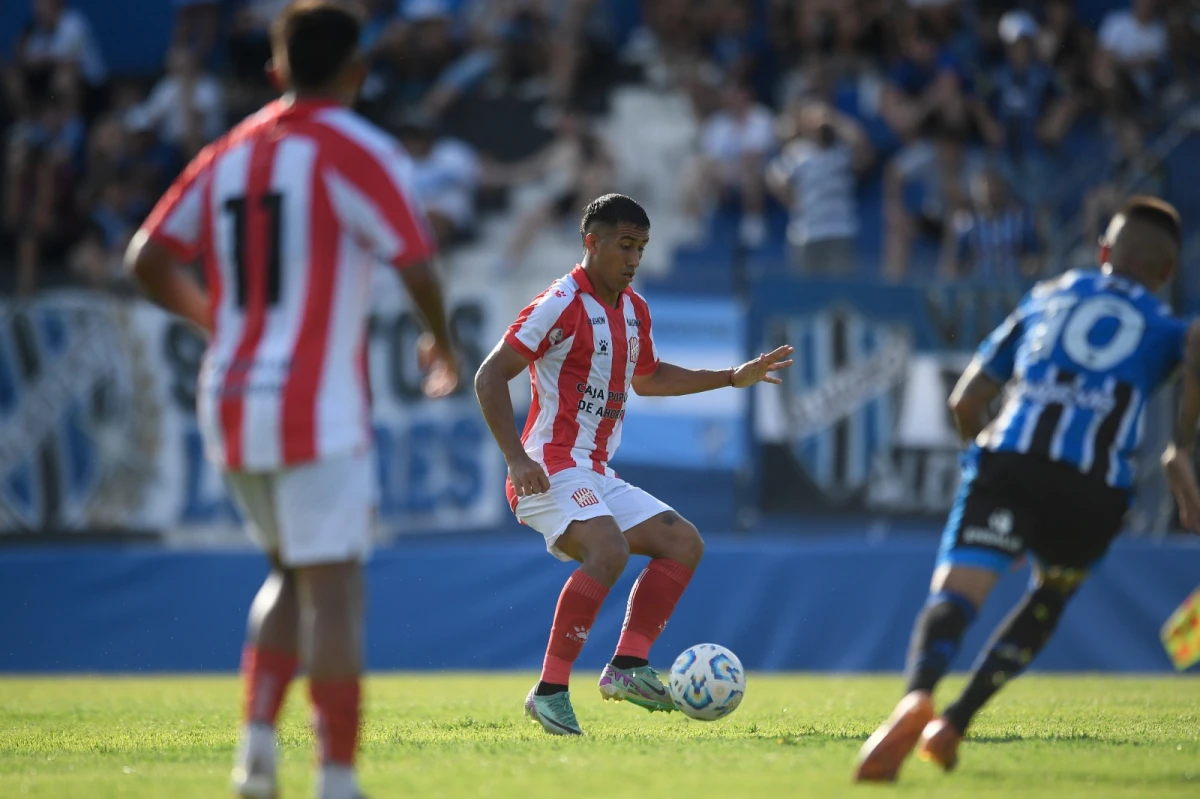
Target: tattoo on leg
{"x":669,"y":519}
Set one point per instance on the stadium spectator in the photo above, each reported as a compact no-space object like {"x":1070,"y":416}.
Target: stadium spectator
{"x":1128,"y":169}
{"x":734,"y":145}
{"x":925,"y":87}
{"x":517,"y":35}
{"x":120,"y":208}
{"x":1023,"y":110}
{"x":576,"y":166}
{"x":1067,"y":44}
{"x":1183,"y":25}
{"x":814,"y":177}
{"x":42,"y":169}
{"x":197,"y":23}
{"x":58,"y":40}
{"x":995,"y":239}
{"x":922,"y":186}
{"x":1131,"y":62}
{"x":445,"y":177}
{"x":186,"y":107}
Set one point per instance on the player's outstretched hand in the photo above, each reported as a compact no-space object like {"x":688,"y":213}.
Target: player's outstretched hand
{"x":1181,"y":476}
{"x":528,"y":478}
{"x":759,"y":370}
{"x":441,"y":368}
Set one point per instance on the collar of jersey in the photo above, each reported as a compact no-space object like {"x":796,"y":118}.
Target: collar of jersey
{"x":303,"y":108}
{"x":585,"y":285}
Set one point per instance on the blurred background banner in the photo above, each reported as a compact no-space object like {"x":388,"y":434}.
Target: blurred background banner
{"x":98,"y":429}
{"x":861,"y":423}
{"x":700,"y":431}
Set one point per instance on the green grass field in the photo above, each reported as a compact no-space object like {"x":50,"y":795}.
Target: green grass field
{"x":463,"y":735}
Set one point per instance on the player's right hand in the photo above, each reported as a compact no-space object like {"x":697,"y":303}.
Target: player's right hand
{"x":441,"y":368}
{"x":1181,"y":475}
{"x":527,"y":476}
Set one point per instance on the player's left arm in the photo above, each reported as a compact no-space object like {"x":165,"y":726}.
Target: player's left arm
{"x":170,"y":237}
{"x":984,"y":378}
{"x":669,"y":380}
{"x":970,"y":400}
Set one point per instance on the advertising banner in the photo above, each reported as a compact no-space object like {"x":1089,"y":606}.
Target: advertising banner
{"x":98,"y":428}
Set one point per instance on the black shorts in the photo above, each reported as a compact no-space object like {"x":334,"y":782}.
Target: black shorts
{"x":1010,"y":504}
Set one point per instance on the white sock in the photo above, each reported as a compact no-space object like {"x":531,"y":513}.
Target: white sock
{"x":337,"y":782}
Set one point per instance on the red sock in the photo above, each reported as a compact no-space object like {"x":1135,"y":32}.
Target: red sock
{"x":651,"y":603}
{"x":335,"y":719}
{"x":578,"y":605}
{"x":265,"y":679}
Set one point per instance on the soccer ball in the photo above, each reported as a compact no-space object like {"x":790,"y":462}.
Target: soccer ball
{"x":707,"y":682}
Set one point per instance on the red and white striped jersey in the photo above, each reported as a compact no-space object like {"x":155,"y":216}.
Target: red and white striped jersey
{"x":583,"y":356}
{"x":288,"y":212}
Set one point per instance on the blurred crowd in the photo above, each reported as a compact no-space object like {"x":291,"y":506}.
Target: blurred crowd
{"x":957,"y":109}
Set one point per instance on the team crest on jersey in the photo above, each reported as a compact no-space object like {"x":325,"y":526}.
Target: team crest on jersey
{"x":556,"y":335}
{"x":585,"y":497}
{"x":635,"y":349}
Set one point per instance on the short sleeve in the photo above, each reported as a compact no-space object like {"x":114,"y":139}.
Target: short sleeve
{"x":543,"y":323}
{"x":177,"y":220}
{"x":370,"y":188}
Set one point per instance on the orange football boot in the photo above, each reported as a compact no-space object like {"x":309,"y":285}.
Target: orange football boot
{"x":881,"y":756}
{"x":939,"y":744}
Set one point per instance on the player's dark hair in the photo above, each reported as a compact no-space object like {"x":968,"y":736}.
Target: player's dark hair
{"x":612,"y":210}
{"x":319,"y":37}
{"x":1156,"y":213}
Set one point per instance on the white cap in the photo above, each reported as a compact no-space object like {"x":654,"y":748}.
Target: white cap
{"x":1015,"y":25}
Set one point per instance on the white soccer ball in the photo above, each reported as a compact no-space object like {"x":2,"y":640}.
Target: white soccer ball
{"x":707,"y":682}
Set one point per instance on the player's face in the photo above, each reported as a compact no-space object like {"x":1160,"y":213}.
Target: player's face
{"x":617,"y":253}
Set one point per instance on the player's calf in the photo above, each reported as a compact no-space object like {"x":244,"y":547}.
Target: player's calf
{"x":331,"y":610}
{"x":1012,"y":648}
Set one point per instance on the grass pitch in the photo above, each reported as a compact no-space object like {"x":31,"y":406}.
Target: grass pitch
{"x":463,"y":735}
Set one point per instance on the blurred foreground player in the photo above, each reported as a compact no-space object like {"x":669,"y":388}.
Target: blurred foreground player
{"x":1052,"y":474}
{"x":288,"y":213}
{"x":585,"y":341}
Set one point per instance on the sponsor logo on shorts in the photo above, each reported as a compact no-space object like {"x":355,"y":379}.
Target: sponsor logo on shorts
{"x":997,"y":534}
{"x":585,"y":497}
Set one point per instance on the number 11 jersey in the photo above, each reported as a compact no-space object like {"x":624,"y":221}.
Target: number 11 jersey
{"x":288,"y":213}
{"x":1081,"y":356}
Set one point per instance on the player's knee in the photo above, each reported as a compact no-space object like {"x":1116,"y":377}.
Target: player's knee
{"x":606,"y":557}
{"x":688,"y":545}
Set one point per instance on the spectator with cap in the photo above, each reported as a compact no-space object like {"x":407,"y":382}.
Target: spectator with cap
{"x":1024,"y":109}
{"x":1131,"y":61}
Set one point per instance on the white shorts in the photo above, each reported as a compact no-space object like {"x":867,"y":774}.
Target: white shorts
{"x":314,"y":513}
{"x":577,"y":495}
